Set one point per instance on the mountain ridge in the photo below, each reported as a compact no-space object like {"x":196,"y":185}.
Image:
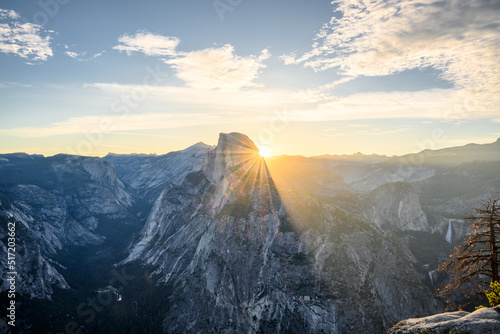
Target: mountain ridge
{"x":282,"y":244}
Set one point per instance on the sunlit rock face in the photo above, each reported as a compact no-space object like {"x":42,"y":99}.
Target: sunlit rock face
{"x":233,"y":150}
{"x":240,"y":260}
{"x":484,"y":320}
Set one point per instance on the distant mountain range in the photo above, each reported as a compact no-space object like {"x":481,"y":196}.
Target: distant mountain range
{"x":219,"y":239}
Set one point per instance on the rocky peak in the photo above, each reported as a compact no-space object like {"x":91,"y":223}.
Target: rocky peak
{"x":198,"y":147}
{"x":233,"y":151}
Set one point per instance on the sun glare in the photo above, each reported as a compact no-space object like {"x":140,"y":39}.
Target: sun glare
{"x":264,"y":151}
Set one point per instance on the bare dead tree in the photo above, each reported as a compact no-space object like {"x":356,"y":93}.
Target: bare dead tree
{"x":474,"y":265}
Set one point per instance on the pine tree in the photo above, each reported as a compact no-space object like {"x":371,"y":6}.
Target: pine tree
{"x":474,"y":265}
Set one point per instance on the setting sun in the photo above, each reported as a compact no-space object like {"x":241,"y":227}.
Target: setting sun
{"x":264,"y":151}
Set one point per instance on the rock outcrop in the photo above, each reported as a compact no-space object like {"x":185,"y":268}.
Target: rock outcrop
{"x":482,"y":321}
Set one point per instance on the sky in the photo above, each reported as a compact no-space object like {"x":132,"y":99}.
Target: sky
{"x":299,"y":77}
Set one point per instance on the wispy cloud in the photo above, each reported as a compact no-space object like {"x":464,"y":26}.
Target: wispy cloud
{"x":75,"y":55}
{"x":379,"y":37}
{"x":212,"y":107}
{"x":347,"y":131}
{"x":245,"y":100}
{"x":8,"y":84}
{"x":148,"y":43}
{"x":23,"y":39}
{"x":97,"y":55}
{"x":8,"y":14}
{"x":218,"y":68}
{"x":253,"y":106}
{"x":425,"y":104}
{"x":446,"y":105}
{"x":119,"y":123}
{"x":79,"y":55}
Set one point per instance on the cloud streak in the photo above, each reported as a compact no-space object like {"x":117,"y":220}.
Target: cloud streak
{"x":247,"y":99}
{"x":10,"y":84}
{"x":79,"y":55}
{"x":453,"y":106}
{"x":75,"y":55}
{"x":116,"y":123}
{"x":23,"y":39}
{"x":253,"y":106}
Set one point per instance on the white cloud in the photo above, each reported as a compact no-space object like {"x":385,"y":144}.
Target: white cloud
{"x":23,"y":39}
{"x":148,"y":43}
{"x":211,"y":68}
{"x":218,"y":68}
{"x":380,"y":37}
{"x":75,"y":54}
{"x":97,"y":55}
{"x":79,"y":55}
{"x":4,"y":13}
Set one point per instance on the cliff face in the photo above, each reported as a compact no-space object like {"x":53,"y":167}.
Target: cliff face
{"x":237,"y":260}
{"x":54,"y":202}
{"x":37,"y":275}
{"x":395,"y":205}
{"x":145,"y":175}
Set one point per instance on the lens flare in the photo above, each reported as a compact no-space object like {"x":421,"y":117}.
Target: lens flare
{"x":264,"y":151}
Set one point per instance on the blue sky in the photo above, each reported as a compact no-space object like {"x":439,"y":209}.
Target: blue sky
{"x":299,"y":77}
